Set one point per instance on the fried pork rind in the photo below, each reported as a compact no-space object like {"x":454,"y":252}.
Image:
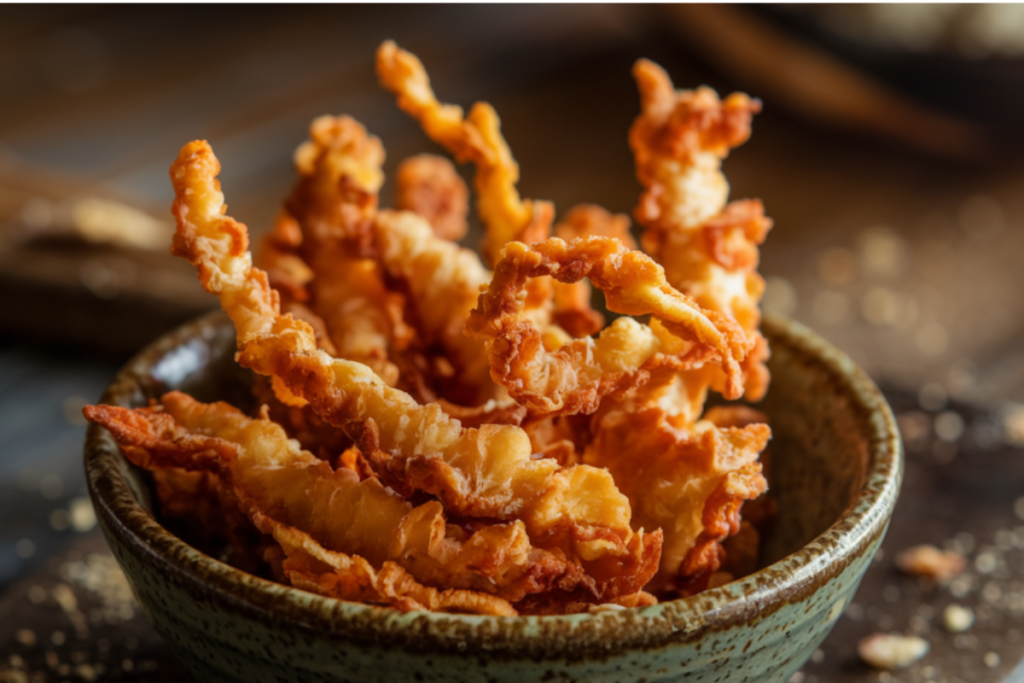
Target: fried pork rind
{"x":200,"y":507}
{"x":689,"y":481}
{"x":431,"y":187}
{"x":278,"y":256}
{"x":572,"y":310}
{"x":310,"y":566}
{"x":443,"y":281}
{"x":485,"y":472}
{"x":578,"y":375}
{"x":476,"y":138}
{"x":287,"y":492}
{"x":708,"y":249}
{"x":334,"y":205}
{"x":424,"y":491}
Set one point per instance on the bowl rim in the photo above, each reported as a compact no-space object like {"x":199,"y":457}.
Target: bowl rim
{"x":129,"y":527}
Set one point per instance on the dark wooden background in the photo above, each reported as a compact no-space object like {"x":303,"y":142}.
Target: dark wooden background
{"x":899,"y":233}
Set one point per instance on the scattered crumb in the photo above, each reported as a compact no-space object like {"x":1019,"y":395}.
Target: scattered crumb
{"x":964,"y":542}
{"x":891,"y":651}
{"x":991,"y":593}
{"x":949,"y":426}
{"x":36,"y":595}
{"x":100,"y":574}
{"x":57,"y":638}
{"x":83,"y":515}
{"x":961,"y":586}
{"x":13,"y":676}
{"x":930,"y":562}
{"x":957,"y":618}
{"x":986,"y":562}
{"x":86,"y":672}
{"x":59,"y":519}
{"x":1005,"y":540}
{"x":65,"y":597}
{"x":965,"y":642}
{"x":1013,"y":424}
{"x":991,"y":660}
{"x":919,"y":625}
{"x":26,"y":637}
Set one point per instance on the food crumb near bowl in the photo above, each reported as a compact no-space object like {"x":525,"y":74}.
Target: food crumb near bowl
{"x":892,"y":651}
{"x":957,"y":618}
{"x":929,"y":561}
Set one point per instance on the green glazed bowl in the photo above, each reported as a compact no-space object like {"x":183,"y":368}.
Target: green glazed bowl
{"x":835,"y":472}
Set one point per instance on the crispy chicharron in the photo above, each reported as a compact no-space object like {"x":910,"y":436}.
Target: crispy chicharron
{"x":435,"y":436}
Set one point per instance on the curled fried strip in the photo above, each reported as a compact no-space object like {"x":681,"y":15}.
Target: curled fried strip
{"x":721,"y":520}
{"x":679,"y":141}
{"x":276,"y":483}
{"x":430,"y":186}
{"x":288,"y":273}
{"x":572,"y":309}
{"x":574,"y":378}
{"x":476,"y":138}
{"x":437,"y":270}
{"x":688,"y":481}
{"x":310,"y":566}
{"x":485,"y":472}
{"x":266,"y":470}
{"x":334,"y":203}
{"x":709,"y":250}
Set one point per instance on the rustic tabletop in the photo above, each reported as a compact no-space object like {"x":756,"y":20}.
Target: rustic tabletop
{"x":899,"y":245}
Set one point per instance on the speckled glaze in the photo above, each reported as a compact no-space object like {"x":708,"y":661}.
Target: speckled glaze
{"x":835,"y":469}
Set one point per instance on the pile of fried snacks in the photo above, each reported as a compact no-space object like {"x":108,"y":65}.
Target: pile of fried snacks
{"x":442,"y":430}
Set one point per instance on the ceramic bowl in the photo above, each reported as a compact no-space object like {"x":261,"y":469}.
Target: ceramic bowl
{"x":835,"y":472}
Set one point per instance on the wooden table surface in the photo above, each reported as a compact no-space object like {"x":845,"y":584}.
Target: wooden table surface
{"x":906,"y":257}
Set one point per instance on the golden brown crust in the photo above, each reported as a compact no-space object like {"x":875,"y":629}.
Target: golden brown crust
{"x":721,"y":519}
{"x":572,"y":310}
{"x":537,"y":457}
{"x":431,"y":187}
{"x":288,"y":491}
{"x":288,"y":273}
{"x":432,"y":270}
{"x":709,"y":250}
{"x":485,"y":472}
{"x":334,"y":205}
{"x":476,"y":138}
{"x":687,"y":480}
{"x":575,"y":377}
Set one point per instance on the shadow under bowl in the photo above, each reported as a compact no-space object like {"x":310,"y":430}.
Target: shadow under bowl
{"x":835,"y":470}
